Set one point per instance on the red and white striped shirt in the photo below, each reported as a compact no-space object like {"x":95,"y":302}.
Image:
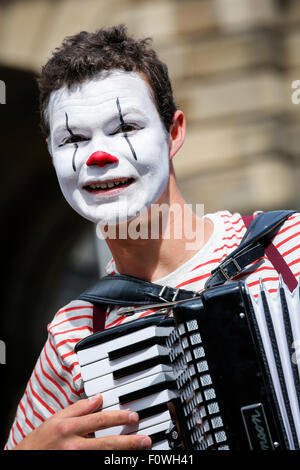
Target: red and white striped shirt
{"x":56,"y":380}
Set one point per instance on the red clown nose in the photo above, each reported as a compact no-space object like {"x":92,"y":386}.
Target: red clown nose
{"x":101,"y":159}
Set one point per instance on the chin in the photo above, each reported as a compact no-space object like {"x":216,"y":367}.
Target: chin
{"x":115,"y":213}
{"x":108,"y":219}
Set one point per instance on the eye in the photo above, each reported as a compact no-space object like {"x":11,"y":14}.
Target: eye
{"x":73,"y":139}
{"x":125,"y":128}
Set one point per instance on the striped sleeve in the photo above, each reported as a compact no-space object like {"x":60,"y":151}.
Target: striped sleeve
{"x":56,"y":381}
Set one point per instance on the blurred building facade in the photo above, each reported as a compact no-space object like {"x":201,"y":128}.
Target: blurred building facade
{"x":232,"y":64}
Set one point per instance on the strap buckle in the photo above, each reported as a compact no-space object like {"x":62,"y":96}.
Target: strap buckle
{"x":163,"y":290}
{"x":222,"y":268}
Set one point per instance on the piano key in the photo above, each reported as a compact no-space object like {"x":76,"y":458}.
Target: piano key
{"x":107,"y":382}
{"x":146,"y":402}
{"x":106,"y":366}
{"x":100,"y":351}
{"x":114,"y":396}
{"x":133,"y":428}
{"x":158,"y":431}
{"x":161,"y":445}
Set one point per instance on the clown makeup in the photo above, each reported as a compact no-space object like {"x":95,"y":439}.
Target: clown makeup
{"x":109,"y":146}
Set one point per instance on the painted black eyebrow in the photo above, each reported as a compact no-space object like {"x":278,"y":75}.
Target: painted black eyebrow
{"x":75,"y":143}
{"x":125,"y":134}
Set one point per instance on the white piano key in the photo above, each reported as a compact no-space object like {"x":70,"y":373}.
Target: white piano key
{"x":146,"y":402}
{"x":133,"y":428}
{"x":111,"y":397}
{"x":106,"y":366}
{"x":107,"y":382}
{"x":165,"y":426}
{"x":161,"y":445}
{"x":100,"y":351}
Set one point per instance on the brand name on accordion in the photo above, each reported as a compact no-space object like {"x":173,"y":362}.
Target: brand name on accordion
{"x":2,"y":92}
{"x":257,"y":421}
{"x":2,"y":352}
{"x":257,"y":428}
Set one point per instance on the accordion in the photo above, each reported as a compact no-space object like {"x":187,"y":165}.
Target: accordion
{"x":214,"y":372}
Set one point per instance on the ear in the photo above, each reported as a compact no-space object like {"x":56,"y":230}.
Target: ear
{"x":49,"y":149}
{"x":177,"y":133}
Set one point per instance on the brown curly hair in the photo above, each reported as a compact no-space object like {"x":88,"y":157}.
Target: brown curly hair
{"x":82,"y":56}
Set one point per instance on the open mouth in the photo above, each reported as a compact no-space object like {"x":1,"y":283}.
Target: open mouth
{"x":109,"y":186}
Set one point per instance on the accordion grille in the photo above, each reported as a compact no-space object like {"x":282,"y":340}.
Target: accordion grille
{"x":196,"y":392}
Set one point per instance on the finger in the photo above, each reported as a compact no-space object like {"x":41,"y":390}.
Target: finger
{"x":104,"y":419}
{"x":81,"y":407}
{"x":130,"y":442}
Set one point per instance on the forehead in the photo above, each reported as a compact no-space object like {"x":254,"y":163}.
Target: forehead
{"x":101,"y":94}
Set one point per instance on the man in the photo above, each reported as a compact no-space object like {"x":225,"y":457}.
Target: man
{"x":112,"y":130}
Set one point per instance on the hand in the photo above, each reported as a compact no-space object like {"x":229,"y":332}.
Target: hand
{"x":69,"y":429}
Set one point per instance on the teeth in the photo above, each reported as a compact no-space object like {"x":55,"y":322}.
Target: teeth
{"x":107,"y":185}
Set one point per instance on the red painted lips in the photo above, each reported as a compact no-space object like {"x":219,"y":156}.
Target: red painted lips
{"x":112,"y":186}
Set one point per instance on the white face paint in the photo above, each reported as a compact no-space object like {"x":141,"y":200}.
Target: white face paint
{"x":114,"y":114}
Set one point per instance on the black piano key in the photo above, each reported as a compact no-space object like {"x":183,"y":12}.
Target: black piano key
{"x":140,"y":366}
{"x":147,"y":391}
{"x":132,"y":348}
{"x":158,"y":436}
{"x":152,"y":410}
{"x":172,"y":435}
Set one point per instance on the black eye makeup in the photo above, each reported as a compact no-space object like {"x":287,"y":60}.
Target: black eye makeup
{"x":123,"y":128}
{"x":73,"y":139}
{"x":126,"y":128}
{"x":123,"y":125}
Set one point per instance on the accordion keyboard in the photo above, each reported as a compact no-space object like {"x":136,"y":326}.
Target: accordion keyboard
{"x":132,"y":370}
{"x":219,"y":374}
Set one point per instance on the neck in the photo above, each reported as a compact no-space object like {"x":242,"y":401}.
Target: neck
{"x":158,"y":242}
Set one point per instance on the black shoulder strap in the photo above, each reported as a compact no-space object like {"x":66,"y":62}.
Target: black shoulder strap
{"x":120,"y":289}
{"x":255,"y":243}
{"x":123,"y":290}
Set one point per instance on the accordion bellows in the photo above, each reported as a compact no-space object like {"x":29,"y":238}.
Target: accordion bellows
{"x":219,"y":371}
